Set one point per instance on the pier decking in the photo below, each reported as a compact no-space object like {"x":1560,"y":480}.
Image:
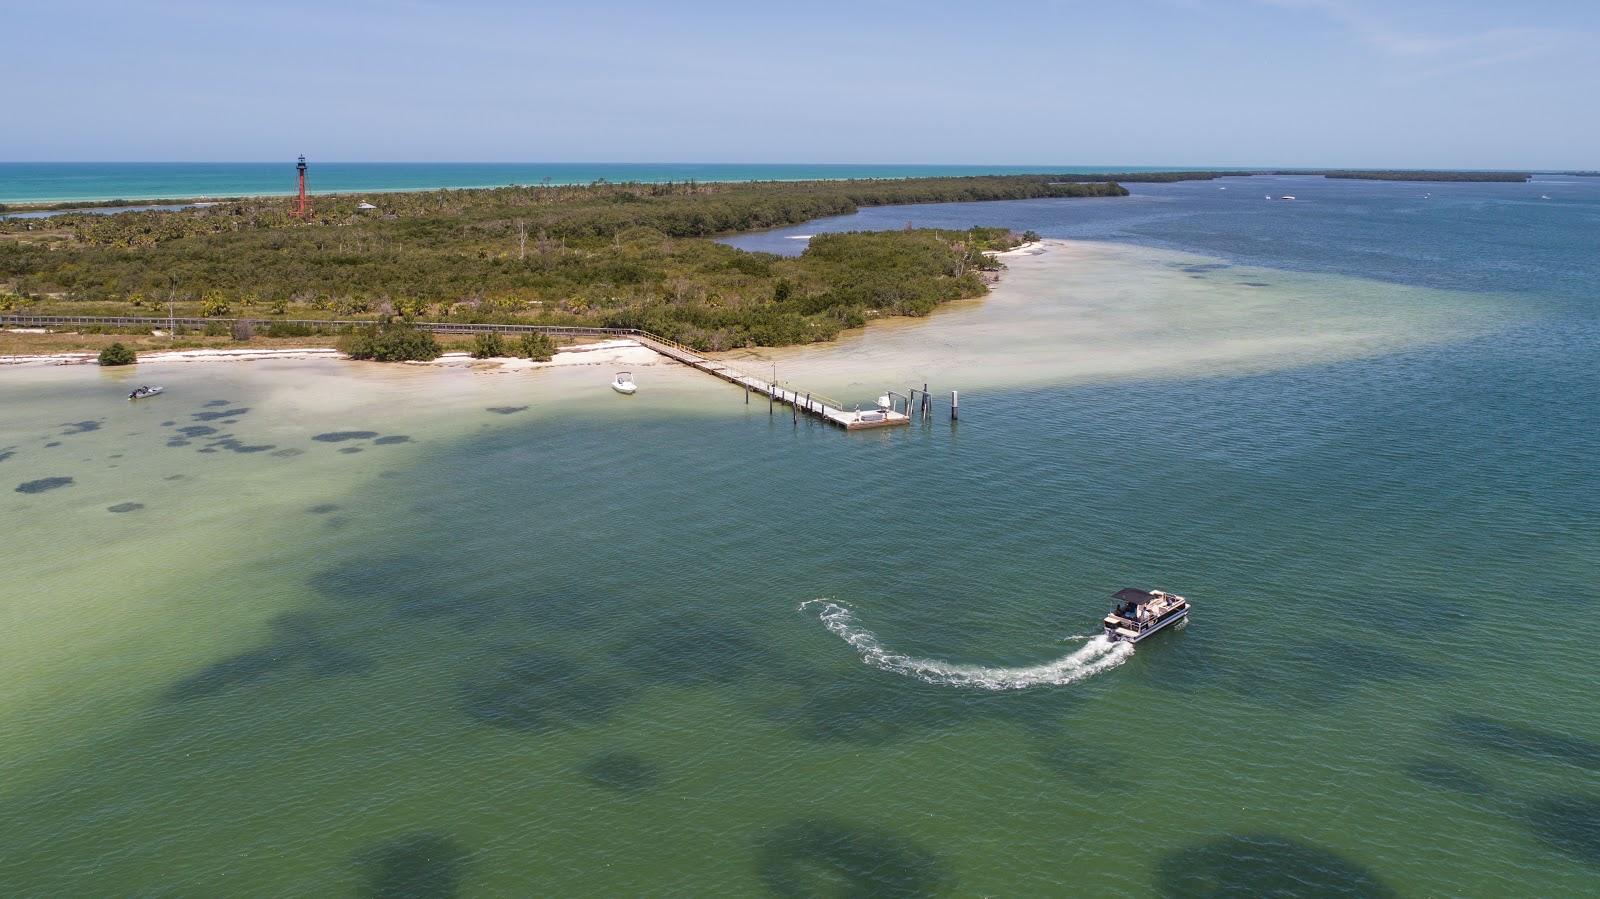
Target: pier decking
{"x":814,"y":404}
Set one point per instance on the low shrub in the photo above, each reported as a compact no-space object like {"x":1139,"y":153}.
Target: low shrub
{"x":118,"y":354}
{"x":390,"y":343}
{"x":538,"y":346}
{"x":488,"y":346}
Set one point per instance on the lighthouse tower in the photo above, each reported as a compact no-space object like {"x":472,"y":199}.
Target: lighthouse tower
{"x":302,"y":206}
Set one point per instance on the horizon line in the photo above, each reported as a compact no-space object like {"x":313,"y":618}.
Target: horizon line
{"x":1044,"y":167}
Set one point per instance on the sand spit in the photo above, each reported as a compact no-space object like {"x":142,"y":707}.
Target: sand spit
{"x":1031,"y":248}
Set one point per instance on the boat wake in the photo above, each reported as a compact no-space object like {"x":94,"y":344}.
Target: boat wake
{"x":1097,"y":654}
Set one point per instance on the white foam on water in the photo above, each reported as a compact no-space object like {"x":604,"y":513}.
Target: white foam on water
{"x":1096,"y":655}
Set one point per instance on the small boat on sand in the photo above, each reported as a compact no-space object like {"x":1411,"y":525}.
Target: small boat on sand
{"x":1140,"y":613}
{"x":143,"y":392}
{"x":623,"y":383}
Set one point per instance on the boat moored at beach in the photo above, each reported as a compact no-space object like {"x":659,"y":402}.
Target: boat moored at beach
{"x":623,"y":383}
{"x":1140,"y":613}
{"x":143,"y":392}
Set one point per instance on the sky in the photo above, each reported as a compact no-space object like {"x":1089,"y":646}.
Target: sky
{"x":1323,"y":83}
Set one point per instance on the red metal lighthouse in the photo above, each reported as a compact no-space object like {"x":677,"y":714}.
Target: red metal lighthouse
{"x":302,"y":206}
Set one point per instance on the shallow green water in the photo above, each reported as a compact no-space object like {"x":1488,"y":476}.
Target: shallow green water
{"x":565,"y":649}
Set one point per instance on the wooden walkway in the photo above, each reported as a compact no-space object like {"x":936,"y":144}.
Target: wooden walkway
{"x":814,"y":404}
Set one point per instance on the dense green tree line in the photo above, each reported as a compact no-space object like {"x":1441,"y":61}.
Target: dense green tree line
{"x":1150,"y":177}
{"x":839,"y":282}
{"x":562,"y":212}
{"x":1408,"y":175}
{"x":625,"y":255}
{"x":1355,"y":174}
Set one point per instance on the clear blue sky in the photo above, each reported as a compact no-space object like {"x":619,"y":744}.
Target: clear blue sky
{"x":1160,"y":82}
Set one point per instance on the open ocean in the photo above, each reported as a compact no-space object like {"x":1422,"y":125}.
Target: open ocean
{"x":315,"y":628}
{"x":59,"y":182}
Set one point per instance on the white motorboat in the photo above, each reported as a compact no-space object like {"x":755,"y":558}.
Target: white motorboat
{"x":143,"y":392}
{"x":1287,"y":197}
{"x":623,"y":383}
{"x":1140,"y":613}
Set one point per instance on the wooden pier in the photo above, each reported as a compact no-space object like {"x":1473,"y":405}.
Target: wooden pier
{"x":813,"y":404}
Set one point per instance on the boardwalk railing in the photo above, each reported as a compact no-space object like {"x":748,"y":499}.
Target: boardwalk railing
{"x":162,"y":321}
{"x":815,"y":403}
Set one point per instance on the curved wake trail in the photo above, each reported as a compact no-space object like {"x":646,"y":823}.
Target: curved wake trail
{"x":1095,"y":656}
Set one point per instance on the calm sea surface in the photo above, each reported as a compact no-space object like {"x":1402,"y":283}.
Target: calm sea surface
{"x":55,"y":182}
{"x":362,"y":630}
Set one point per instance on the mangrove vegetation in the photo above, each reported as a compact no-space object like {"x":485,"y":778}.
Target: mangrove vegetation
{"x":616,"y":255}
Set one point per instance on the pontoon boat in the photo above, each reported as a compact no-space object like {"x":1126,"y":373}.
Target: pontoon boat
{"x":1140,"y":613}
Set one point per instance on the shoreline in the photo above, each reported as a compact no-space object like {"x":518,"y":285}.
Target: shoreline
{"x":321,"y":351}
{"x":604,"y":352}
{"x":1130,"y":174}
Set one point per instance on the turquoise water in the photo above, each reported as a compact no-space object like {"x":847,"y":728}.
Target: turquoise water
{"x":574,"y":646}
{"x":57,"y":182}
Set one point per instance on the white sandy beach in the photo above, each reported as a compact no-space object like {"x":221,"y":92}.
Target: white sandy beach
{"x":605,"y":352}
{"x":1065,"y":311}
